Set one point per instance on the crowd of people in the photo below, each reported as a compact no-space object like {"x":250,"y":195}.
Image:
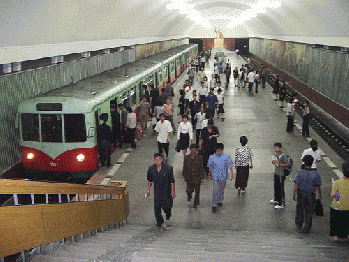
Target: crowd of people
{"x":197,"y":108}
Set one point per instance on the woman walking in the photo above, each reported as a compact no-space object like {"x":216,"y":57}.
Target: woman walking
{"x":243,"y":158}
{"x":185,"y":132}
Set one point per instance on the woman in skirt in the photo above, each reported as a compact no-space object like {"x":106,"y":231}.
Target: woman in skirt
{"x":243,"y":157}
{"x":185,"y":132}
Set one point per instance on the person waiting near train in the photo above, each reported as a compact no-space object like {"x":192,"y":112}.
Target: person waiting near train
{"x":104,"y":136}
{"x":314,"y":152}
{"x":208,"y":142}
{"x":199,"y":118}
{"x":282,"y":94}
{"x":220,"y":103}
{"x":131,"y":124}
{"x":250,"y":79}
{"x":163,"y":129}
{"x":123,"y":115}
{"x":193,"y":174}
{"x":306,"y":118}
{"x":211,"y":103}
{"x":219,"y":164}
{"x":339,"y":213}
{"x":290,"y":115}
{"x":279,"y":160}
{"x":116,"y":126}
{"x":243,"y":158}
{"x":202,"y":92}
{"x":144,"y":109}
{"x":194,"y":107}
{"x":184,"y":134}
{"x":161,"y":175}
{"x":307,"y":184}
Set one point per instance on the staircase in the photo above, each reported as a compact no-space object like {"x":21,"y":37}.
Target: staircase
{"x":142,"y":244}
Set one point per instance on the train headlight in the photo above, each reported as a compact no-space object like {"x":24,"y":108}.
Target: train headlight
{"x":30,"y":156}
{"x":80,"y":157}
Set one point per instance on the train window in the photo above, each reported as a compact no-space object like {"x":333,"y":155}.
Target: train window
{"x":134,"y":96}
{"x":30,"y":127}
{"x":51,"y":128}
{"x":74,"y":128}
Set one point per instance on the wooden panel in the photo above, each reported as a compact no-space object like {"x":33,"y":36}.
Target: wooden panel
{"x":26,"y":227}
{"x":33,"y":187}
{"x":21,"y":228}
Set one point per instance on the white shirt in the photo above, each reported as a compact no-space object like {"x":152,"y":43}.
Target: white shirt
{"x":203,"y":59}
{"x":201,"y":76}
{"x":199,"y":119}
{"x":163,"y":130}
{"x":203,"y":91}
{"x":187,"y":91}
{"x":204,"y":123}
{"x":315,"y":154}
{"x":215,"y":91}
{"x":216,"y":70}
{"x":289,"y":109}
{"x":131,"y":121}
{"x":185,"y":128}
{"x":220,"y":98}
{"x":213,"y":83}
{"x":251,"y":77}
{"x":159,"y":110}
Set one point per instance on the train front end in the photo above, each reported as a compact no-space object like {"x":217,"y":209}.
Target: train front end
{"x":57,"y":140}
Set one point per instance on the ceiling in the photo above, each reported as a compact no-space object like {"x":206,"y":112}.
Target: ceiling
{"x":45,"y":22}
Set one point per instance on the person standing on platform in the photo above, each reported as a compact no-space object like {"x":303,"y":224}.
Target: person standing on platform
{"x":193,"y":174}
{"x":144,"y":108}
{"x":250,"y":79}
{"x":219,"y":164}
{"x":279,"y":160}
{"x":282,"y":94}
{"x":208,"y":142}
{"x":257,"y":80}
{"x":242,"y":77}
{"x":169,"y":92}
{"x":187,"y":95}
{"x":201,"y":75}
{"x":194,"y":107}
{"x":202,"y":92}
{"x":276,"y":87}
{"x":184,"y":134}
{"x":168,"y":112}
{"x":220,"y":103}
{"x":199,"y":118}
{"x":290,"y":115}
{"x":163,"y":129}
{"x":131,"y":124}
{"x":216,"y":72}
{"x":162,"y":98}
{"x":227,"y":73}
{"x":181,"y":102}
{"x":213,"y":82}
{"x":116,"y":126}
{"x":203,"y":60}
{"x":104,"y":136}
{"x":236,"y":76}
{"x":154,"y":95}
{"x":192,"y":73}
{"x":339,"y":213}
{"x":123,"y":114}
{"x":263,"y":76}
{"x":243,"y":158}
{"x":306,"y":118}
{"x":145,"y":93}
{"x":314,"y":152}
{"x":211,"y":103}
{"x":161,"y":175}
{"x":307,"y":184}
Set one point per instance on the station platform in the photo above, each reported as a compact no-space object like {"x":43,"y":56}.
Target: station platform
{"x":258,"y":117}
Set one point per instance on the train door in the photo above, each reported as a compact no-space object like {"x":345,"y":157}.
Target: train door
{"x":168,"y":72}
{"x":176,"y":68}
{"x":140,"y":90}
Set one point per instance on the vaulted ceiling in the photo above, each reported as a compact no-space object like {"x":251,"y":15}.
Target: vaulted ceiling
{"x":42,"y":22}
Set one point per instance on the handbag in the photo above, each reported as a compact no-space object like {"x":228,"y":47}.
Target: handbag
{"x":178,"y":146}
{"x":319,"y":209}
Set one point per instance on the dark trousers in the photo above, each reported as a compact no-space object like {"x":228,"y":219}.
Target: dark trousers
{"x":250,"y":86}
{"x":186,"y":104}
{"x":279,"y":189}
{"x":162,"y":204}
{"x":198,"y":132}
{"x":264,"y":80}
{"x":104,"y":152}
{"x":163,"y":146}
{"x":206,"y":156}
{"x":191,"y":187}
{"x":305,"y":209}
{"x":202,"y":100}
{"x":203,"y":64}
{"x":339,"y":225}
{"x":210,"y":112}
{"x":305,"y":127}
{"x":289,"y":124}
{"x":131,"y":136}
{"x":217,"y":77}
{"x":256,"y":86}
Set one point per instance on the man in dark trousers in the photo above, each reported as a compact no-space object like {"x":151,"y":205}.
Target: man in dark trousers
{"x":307,"y":184}
{"x":104,"y":136}
{"x":193,"y":174}
{"x":161,"y":175}
{"x":123,"y":113}
{"x":116,"y":126}
{"x":194,"y":107}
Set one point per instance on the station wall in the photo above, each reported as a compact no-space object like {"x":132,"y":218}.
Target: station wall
{"x":19,"y":86}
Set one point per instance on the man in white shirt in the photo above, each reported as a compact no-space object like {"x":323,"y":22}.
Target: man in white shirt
{"x":216,"y":72}
{"x":314,"y":152}
{"x":187,"y":96}
{"x":163,"y":129}
{"x":131,"y":124}
{"x":250,"y":78}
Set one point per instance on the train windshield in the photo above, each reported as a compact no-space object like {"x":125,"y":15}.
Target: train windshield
{"x":74,"y":128}
{"x":30,"y":127}
{"x":51,"y":128}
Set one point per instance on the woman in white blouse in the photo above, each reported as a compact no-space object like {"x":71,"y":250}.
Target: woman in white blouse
{"x":243,"y":157}
{"x":184,"y":133}
{"x":131,"y":124}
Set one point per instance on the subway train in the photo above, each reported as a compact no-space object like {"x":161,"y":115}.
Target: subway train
{"x":58,"y":129}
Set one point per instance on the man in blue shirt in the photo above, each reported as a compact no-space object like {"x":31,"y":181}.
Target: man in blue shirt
{"x":218,"y":165}
{"x":211,"y":103}
{"x":307,"y":182}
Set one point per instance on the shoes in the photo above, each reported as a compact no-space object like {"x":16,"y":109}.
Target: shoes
{"x":166,"y":224}
{"x":214,"y":209}
{"x":195,"y":207}
{"x":299,"y":226}
{"x":223,"y":119}
{"x":239,"y":190}
{"x":275,"y":99}
{"x":273,"y":201}
{"x":281,"y":107}
{"x":220,"y":204}
{"x":334,"y":239}
{"x":189,"y":198}
{"x":279,"y":207}
{"x":243,"y":191}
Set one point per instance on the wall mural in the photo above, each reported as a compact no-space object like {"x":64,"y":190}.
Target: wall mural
{"x":325,"y":71}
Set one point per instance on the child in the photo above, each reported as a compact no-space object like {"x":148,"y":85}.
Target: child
{"x":220,"y":98}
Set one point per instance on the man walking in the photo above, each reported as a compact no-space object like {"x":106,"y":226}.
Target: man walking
{"x":250,"y":78}
{"x":193,"y":174}
{"x":218,"y":165}
{"x":163,"y":129}
{"x":161,"y":175}
{"x":307,"y":184}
